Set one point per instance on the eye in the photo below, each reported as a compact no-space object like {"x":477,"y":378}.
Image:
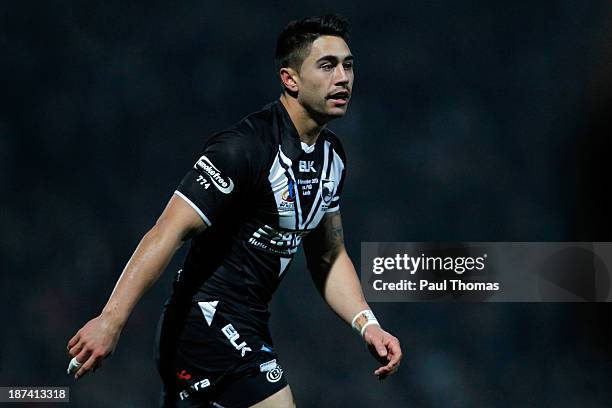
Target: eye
{"x":348,"y":66}
{"x":327,"y":67}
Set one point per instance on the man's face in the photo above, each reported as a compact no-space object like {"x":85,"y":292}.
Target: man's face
{"x":326,"y":78}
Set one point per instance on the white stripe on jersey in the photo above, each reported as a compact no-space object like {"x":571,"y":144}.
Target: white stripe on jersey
{"x":195,"y":207}
{"x":279,"y":182}
{"x":297,"y":220}
{"x":338,"y":165}
{"x":318,"y":199}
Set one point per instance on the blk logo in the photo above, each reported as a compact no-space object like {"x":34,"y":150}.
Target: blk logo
{"x":307,"y":166}
{"x":232,"y":335}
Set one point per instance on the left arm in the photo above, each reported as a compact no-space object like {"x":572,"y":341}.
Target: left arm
{"x":336,"y":280}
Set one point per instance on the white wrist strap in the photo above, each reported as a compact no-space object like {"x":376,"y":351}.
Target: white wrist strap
{"x":362,"y":320}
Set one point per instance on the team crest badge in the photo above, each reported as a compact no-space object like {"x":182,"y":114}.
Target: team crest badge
{"x":328,"y":190}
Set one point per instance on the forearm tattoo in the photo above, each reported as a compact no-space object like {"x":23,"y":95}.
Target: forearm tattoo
{"x":323,"y":246}
{"x":332,"y":227}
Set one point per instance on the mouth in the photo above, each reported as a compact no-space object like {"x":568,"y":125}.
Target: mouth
{"x":340,"y":97}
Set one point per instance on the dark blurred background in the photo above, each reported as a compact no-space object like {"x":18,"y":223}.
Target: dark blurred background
{"x":492,"y":117}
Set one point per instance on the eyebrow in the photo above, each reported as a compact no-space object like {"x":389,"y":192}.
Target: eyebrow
{"x":334,"y":58}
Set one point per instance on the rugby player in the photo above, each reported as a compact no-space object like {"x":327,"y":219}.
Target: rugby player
{"x":258,"y":189}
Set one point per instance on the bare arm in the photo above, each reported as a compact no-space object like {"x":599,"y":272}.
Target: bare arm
{"x":98,"y":338}
{"x":332,"y":270}
{"x":336,"y":279}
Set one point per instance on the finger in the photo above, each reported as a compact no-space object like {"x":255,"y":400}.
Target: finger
{"x":395,"y":359}
{"x":74,"y":340}
{"x":381,"y":374}
{"x":394,"y":362}
{"x":394,"y":350}
{"x":384,"y":372}
{"x":73,"y":366}
{"x":74,"y":351}
{"x":383,"y":369}
{"x":379,"y":347}
{"x":82,"y":358}
{"x":390,"y":367}
{"x":88,"y":366}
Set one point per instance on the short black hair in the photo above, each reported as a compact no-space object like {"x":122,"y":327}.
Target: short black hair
{"x":293,"y":43}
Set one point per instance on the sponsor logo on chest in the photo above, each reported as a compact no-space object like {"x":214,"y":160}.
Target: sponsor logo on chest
{"x":307,"y":166}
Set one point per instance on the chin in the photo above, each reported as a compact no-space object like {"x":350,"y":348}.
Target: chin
{"x":337,"y":113}
{"x":326,"y":113}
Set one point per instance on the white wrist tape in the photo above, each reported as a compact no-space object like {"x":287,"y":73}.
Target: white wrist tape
{"x":362,"y":320}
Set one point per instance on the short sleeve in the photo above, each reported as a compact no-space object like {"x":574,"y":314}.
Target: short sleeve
{"x":217,"y":177}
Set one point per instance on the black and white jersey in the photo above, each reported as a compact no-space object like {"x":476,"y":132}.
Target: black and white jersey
{"x":260,"y":191}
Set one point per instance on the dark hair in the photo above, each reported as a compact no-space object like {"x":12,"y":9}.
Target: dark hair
{"x":293,"y":43}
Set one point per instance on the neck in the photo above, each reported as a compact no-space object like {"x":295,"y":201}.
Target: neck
{"x":308,"y":128}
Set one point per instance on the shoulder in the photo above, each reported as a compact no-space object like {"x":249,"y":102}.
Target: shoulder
{"x":248,"y":138}
{"x":252,"y":132}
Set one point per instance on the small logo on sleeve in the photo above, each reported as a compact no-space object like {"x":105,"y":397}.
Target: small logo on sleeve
{"x":223,"y":183}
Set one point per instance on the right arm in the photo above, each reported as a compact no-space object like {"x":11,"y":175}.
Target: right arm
{"x":97,"y":339}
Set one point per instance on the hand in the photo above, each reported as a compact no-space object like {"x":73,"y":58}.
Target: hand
{"x":93,"y":343}
{"x":385,"y":348}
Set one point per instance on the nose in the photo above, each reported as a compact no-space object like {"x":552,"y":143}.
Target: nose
{"x":341,"y":76}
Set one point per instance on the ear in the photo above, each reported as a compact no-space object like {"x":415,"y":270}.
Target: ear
{"x":289,"y":77}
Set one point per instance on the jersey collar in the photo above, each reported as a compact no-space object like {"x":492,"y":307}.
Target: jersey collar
{"x":290,"y":139}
